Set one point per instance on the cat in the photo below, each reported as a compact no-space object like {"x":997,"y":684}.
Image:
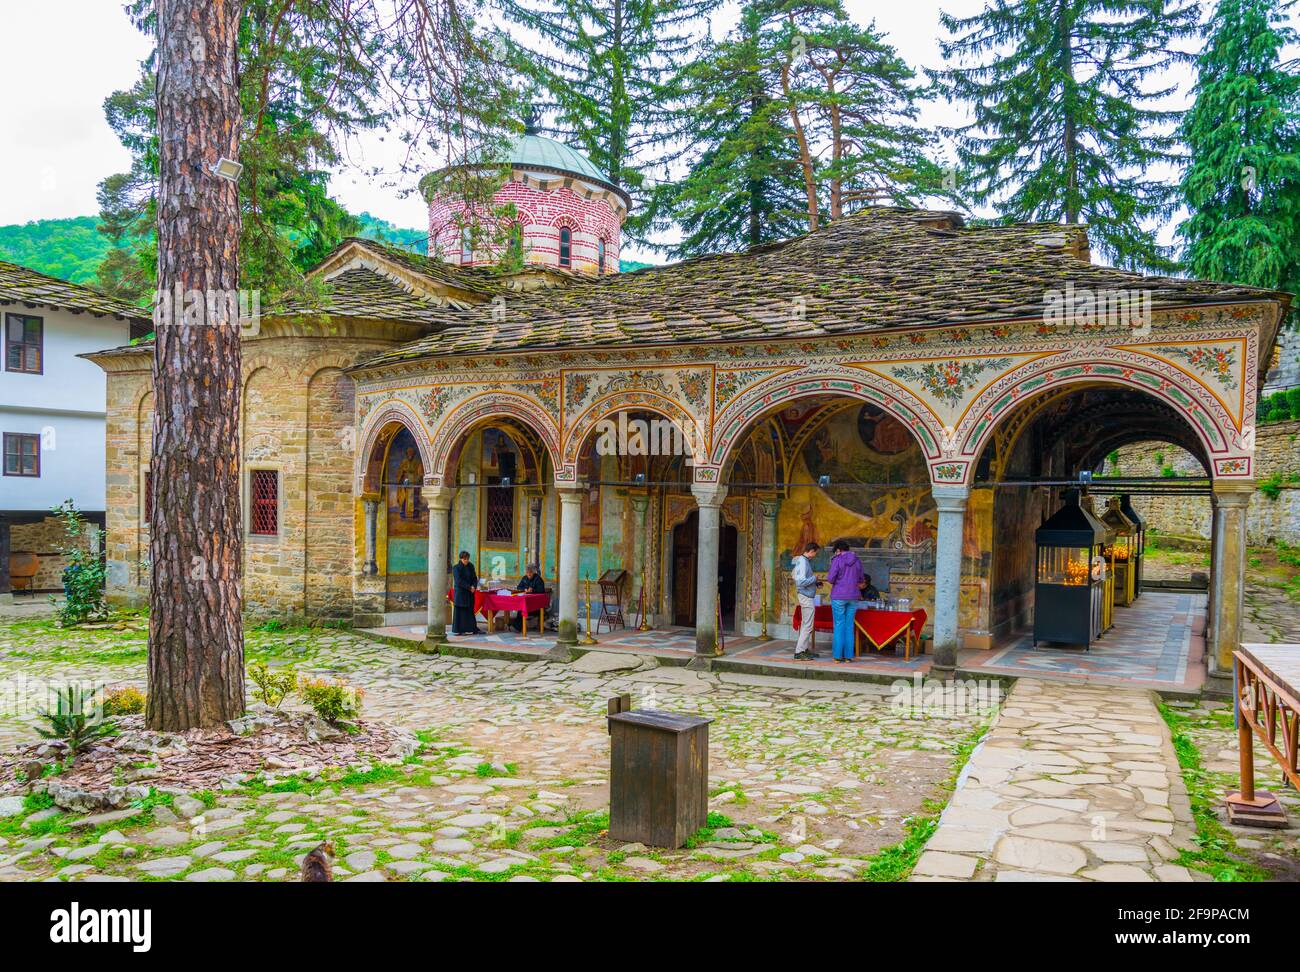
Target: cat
{"x":319,"y":864}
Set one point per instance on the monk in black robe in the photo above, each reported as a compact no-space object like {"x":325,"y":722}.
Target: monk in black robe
{"x":531,"y":583}
{"x":464,"y":582}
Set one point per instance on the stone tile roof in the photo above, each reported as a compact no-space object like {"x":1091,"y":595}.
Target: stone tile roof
{"x":30,"y":288}
{"x":879,"y":268}
{"x":361,"y":292}
{"x":483,"y":281}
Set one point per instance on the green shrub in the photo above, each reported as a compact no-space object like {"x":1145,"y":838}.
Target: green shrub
{"x":74,"y":719}
{"x":274,"y":685}
{"x":333,"y":701}
{"x":83,"y":578}
{"x":1270,"y":485}
{"x":123,"y":701}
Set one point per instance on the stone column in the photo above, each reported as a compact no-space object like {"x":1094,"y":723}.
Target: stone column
{"x":570,"y":548}
{"x":439,"y":500}
{"x":371,"y":508}
{"x":709,"y":499}
{"x":768,"y":553}
{"x":951,"y":501}
{"x":1228,"y":581}
{"x":640,"y":545}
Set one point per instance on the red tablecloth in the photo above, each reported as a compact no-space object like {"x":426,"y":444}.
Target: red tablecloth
{"x":497,"y":601}
{"x":822,"y":618}
{"x":881,"y":627}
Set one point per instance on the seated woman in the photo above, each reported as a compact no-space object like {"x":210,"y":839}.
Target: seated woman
{"x":531,"y":583}
{"x":869,"y":592}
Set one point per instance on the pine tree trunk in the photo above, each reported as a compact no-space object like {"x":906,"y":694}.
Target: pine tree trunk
{"x":196,"y":653}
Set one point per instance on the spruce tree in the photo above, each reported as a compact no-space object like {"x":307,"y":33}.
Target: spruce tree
{"x":743,"y":186}
{"x":604,"y":66}
{"x":1241,"y":185}
{"x":1064,"y":129}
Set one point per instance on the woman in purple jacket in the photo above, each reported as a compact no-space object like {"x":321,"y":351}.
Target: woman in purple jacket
{"x":845,"y":577}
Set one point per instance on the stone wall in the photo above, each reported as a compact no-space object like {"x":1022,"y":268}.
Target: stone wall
{"x":298,"y":420}
{"x":1269,"y":520}
{"x":44,"y":538}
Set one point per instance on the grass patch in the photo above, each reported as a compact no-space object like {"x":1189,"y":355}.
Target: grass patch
{"x":895,"y":862}
{"x":1217,"y":853}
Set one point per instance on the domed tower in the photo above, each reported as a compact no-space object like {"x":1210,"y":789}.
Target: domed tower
{"x":569,"y":216}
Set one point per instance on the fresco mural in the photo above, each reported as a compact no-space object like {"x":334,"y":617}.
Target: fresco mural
{"x":407,"y":525}
{"x":878,"y":498}
{"x":878,"y":495}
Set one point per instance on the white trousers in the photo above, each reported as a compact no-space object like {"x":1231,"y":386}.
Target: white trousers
{"x":807,"y":618}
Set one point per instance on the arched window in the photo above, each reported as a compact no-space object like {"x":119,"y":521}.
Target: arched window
{"x":566,"y":247}
{"x":600,"y":255}
{"x":466,"y":245}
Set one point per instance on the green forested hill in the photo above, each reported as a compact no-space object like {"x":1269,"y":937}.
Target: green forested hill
{"x":71,"y":249}
{"x":66,"y":248}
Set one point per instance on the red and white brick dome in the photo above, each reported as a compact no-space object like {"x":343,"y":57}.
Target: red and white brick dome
{"x":569,"y":215}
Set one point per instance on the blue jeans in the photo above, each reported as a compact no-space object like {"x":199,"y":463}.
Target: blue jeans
{"x":843,"y":612}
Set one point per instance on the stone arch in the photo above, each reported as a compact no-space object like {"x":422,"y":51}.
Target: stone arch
{"x":1229,"y":451}
{"x":475,"y":411}
{"x":635,"y":400}
{"x":392,"y":411}
{"x":759,"y":400}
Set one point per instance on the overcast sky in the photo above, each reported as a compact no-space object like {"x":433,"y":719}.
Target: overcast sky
{"x":63,"y":57}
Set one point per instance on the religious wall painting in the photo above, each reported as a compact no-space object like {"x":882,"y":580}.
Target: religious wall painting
{"x":877,"y":492}
{"x":407,"y":524}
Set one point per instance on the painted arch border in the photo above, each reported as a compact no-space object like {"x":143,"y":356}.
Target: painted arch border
{"x":848,"y":380}
{"x":481,"y":407}
{"x":1198,"y":405}
{"x":376,"y":420}
{"x":642,"y":399}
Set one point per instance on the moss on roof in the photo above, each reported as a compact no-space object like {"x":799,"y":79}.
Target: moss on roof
{"x":22,"y":285}
{"x":879,"y":268}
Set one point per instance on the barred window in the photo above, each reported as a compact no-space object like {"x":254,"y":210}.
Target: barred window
{"x":148,"y":497}
{"x":264,"y":505}
{"x":566,"y":247}
{"x":500,"y":516}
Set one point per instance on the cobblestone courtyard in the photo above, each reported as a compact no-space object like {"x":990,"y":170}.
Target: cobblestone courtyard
{"x":809,"y":780}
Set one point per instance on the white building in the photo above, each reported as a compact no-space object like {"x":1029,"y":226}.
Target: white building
{"x":52,"y":408}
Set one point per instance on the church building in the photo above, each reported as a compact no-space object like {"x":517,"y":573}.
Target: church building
{"x":923,"y":388}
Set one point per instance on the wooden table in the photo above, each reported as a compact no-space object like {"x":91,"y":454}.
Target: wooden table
{"x":501,"y":601}
{"x":1266,"y":684}
{"x":880,"y":628}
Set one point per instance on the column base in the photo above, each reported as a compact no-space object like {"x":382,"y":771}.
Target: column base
{"x":701,"y":663}
{"x":942,"y":672}
{"x":1218,"y":685}
{"x":433,"y":645}
{"x":561,"y":652}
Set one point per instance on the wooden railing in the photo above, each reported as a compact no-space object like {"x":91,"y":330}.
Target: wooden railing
{"x":1267,"y":709}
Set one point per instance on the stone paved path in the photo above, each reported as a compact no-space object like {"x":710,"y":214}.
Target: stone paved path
{"x":808,"y":780}
{"x":1072,"y":783}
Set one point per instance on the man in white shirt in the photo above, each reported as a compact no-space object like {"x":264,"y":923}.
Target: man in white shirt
{"x":805,"y":586}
